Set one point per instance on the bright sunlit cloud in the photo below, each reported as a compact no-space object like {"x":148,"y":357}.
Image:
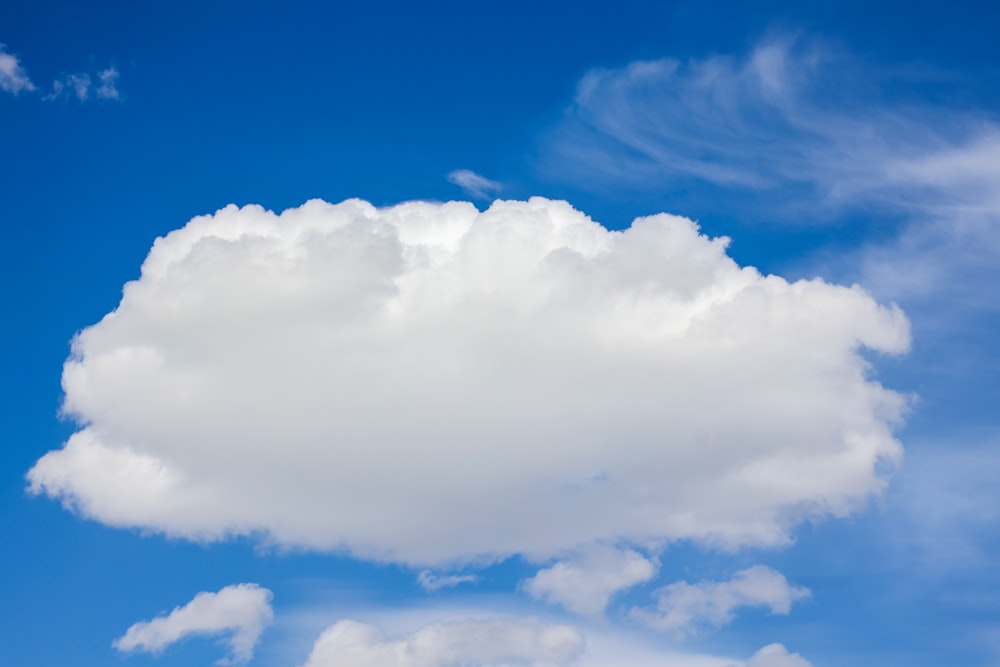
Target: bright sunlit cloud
{"x":429,"y":384}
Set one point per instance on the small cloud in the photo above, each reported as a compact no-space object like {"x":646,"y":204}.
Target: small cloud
{"x":682,"y":606}
{"x":585,"y":584}
{"x":474,"y":185}
{"x":431,"y":582}
{"x":13,"y":78}
{"x":241,"y":611}
{"x":484,"y":643}
{"x":108,"y":87}
{"x":776,"y":655}
{"x":83,"y":86}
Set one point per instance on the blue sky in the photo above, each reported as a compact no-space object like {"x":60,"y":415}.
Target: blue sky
{"x":409,"y":434}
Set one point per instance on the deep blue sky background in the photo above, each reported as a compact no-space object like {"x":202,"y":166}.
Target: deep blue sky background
{"x":246,"y":102}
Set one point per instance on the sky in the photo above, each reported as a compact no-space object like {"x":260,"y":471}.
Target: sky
{"x":493,"y":334}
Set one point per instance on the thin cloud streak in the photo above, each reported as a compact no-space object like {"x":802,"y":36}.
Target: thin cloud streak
{"x":474,"y":185}
{"x":803,"y":130}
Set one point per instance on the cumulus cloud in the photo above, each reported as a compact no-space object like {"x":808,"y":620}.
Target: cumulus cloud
{"x":427,"y":383}
{"x":776,"y":655}
{"x":13,"y":78}
{"x":682,"y":606}
{"x":434,"y":582}
{"x":469,"y":643}
{"x":473,"y":184}
{"x":585,"y":584}
{"x":240,"y":612}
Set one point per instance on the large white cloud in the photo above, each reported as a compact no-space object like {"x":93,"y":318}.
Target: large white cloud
{"x":427,"y":383}
{"x":241,"y":611}
{"x":682,"y":606}
{"x":469,"y":643}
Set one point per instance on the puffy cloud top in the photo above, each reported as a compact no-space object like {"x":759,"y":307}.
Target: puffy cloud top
{"x":428,"y":383}
{"x":469,"y":643}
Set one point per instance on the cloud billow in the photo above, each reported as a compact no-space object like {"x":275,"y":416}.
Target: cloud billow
{"x":240,"y":612}
{"x":428,"y":384}
{"x":480,"y":642}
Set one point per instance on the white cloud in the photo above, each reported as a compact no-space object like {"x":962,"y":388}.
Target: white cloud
{"x":682,"y":606}
{"x":585,"y":584}
{"x":771,"y":118}
{"x":426,"y":383}
{"x":434,"y":582}
{"x":83,"y":86}
{"x":473,"y":184}
{"x":804,"y":127}
{"x":776,"y":655}
{"x":241,"y":612}
{"x":107,"y":89}
{"x":13,"y":78}
{"x":469,"y":643}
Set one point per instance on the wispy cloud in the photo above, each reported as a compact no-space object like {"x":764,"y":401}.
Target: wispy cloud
{"x":13,"y":78}
{"x":102,"y":85}
{"x":804,"y":133}
{"x":431,"y":582}
{"x":476,"y":186}
{"x":788,"y":112}
{"x":241,"y":611}
{"x":83,"y":86}
{"x":682,"y":607}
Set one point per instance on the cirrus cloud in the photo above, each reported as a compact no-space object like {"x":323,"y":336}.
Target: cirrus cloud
{"x":427,"y":383}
